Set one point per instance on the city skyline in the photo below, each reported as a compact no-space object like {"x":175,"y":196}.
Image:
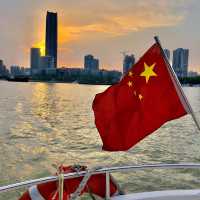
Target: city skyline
{"x":84,"y":31}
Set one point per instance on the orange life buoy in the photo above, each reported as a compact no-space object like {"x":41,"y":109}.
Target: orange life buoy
{"x":49,"y":191}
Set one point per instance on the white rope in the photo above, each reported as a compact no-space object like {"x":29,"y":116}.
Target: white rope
{"x":82,"y":184}
{"x":60,"y":186}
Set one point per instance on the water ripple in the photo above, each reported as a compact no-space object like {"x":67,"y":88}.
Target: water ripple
{"x":43,"y":125}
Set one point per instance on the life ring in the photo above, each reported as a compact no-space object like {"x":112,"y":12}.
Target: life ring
{"x":49,"y":191}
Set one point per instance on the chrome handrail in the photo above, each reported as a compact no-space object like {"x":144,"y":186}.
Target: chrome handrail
{"x":100,"y":171}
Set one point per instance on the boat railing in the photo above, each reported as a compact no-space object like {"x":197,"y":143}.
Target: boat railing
{"x":100,"y":170}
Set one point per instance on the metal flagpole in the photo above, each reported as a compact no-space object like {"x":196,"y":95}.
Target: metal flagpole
{"x":177,"y":85}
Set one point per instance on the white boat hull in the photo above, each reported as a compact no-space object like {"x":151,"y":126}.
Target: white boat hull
{"x":162,"y":195}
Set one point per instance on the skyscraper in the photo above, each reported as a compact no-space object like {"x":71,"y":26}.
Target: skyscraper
{"x":46,"y":62}
{"x":128,"y":62}
{"x":91,"y":63}
{"x":35,"y":58}
{"x":180,"y":62}
{"x":51,"y":36}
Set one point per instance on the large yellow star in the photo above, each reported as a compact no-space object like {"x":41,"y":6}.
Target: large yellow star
{"x":148,"y":71}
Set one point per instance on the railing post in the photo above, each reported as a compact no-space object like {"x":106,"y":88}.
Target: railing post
{"x":107,"y":186}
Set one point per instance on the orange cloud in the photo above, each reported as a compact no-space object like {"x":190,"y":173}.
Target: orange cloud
{"x":117,"y":19}
{"x":116,"y":26}
{"x":113,"y":18}
{"x":104,"y":19}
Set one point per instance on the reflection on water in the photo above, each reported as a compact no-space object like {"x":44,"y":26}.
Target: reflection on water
{"x":42,"y":101}
{"x":42,"y":124}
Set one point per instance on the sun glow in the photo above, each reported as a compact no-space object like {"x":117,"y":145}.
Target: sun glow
{"x":41,"y":45}
{"x":77,"y":29}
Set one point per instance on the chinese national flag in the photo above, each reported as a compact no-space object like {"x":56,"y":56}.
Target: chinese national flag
{"x":139,"y":104}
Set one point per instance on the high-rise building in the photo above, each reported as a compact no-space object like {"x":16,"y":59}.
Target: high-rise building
{"x":91,"y":63}
{"x":180,"y":62}
{"x":128,"y":62}
{"x":88,"y":59}
{"x":95,"y":64}
{"x":51,"y":36}
{"x":35,"y":58}
{"x":167,"y":53}
{"x":46,"y":62}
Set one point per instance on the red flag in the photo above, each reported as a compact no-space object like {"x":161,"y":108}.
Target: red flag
{"x":139,"y":104}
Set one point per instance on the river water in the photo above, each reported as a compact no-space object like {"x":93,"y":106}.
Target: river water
{"x":43,"y":125}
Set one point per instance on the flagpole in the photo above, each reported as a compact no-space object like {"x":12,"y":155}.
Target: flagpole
{"x":177,"y":85}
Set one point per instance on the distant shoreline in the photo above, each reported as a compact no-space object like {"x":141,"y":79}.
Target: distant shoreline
{"x":54,"y":81}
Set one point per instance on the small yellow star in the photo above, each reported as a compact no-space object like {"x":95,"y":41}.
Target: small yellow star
{"x":130,"y":83}
{"x":148,"y":71}
{"x":130,"y":73}
{"x":140,"y":97}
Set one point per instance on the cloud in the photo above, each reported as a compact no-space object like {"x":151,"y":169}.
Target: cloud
{"x":85,"y":26}
{"x":116,"y":18}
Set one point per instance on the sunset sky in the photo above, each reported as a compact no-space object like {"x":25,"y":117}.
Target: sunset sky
{"x":103,"y":28}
